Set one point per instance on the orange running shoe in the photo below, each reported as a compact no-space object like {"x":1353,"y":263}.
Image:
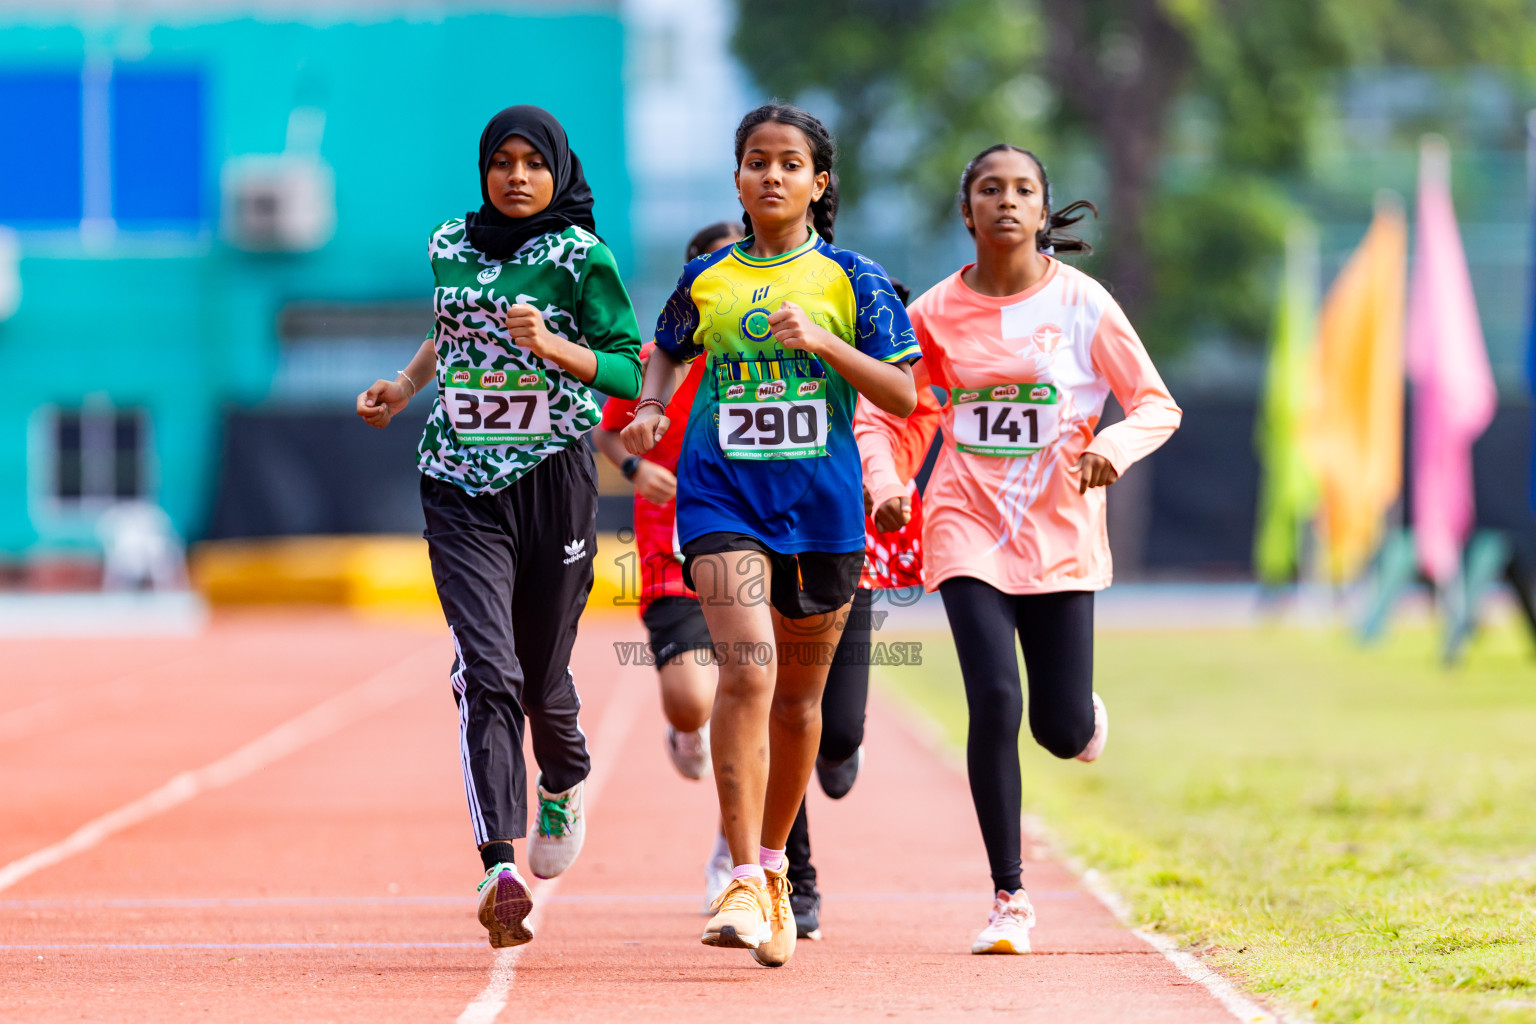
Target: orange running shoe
{"x":741,"y":916}
{"x":781,"y":922}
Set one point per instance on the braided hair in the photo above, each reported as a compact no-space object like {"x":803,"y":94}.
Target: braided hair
{"x":823,"y":152}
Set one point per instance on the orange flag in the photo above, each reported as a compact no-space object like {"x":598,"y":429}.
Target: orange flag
{"x":1355,"y":441}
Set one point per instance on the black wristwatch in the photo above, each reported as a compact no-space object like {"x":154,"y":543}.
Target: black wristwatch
{"x":630,"y":466}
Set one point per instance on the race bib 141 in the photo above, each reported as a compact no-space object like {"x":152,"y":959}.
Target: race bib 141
{"x":1005,"y":419}
{"x":497,"y":406}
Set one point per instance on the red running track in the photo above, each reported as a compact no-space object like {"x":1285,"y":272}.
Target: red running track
{"x":326,"y":872}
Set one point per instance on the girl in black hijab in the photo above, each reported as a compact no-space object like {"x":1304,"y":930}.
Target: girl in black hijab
{"x":496,"y":234}
{"x":531,"y":318}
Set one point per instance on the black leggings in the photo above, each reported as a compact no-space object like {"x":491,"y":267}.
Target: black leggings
{"x":842,"y":721}
{"x":1056,"y":632}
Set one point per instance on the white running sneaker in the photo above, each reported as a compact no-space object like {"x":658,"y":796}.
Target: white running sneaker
{"x":717,"y":875}
{"x":689,"y":751}
{"x":1007,"y":930}
{"x":1095,"y":746}
{"x":559,"y":833}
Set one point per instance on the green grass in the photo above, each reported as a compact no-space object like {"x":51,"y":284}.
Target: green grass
{"x":1347,"y":833}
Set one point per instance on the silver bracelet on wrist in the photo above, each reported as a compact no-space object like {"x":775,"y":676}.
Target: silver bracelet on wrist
{"x":414,"y":388}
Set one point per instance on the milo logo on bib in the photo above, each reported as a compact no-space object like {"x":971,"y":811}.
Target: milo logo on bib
{"x":967,"y":396}
{"x":1040,"y":394}
{"x":770,"y":389}
{"x":528,"y":380}
{"x":736,"y":391}
{"x":460,"y":376}
{"x":808,"y":387}
{"x":493,"y":379}
{"x":1004,"y":392}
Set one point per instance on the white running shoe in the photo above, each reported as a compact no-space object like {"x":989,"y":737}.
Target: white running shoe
{"x":559,"y":832}
{"x":689,"y":751}
{"x":1007,"y":930}
{"x":1095,"y":746}
{"x":717,"y":875}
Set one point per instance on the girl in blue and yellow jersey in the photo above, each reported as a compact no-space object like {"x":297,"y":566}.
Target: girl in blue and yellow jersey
{"x":770,"y":511}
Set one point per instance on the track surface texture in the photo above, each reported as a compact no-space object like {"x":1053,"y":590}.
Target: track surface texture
{"x":325,"y":871}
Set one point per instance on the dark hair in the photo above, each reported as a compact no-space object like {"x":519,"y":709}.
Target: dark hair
{"x":1047,"y":237}
{"x":902,"y":291}
{"x":706,"y":238}
{"x":823,"y":153}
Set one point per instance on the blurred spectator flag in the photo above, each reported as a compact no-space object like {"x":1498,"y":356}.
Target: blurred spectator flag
{"x":1288,"y":489}
{"x":1355,"y":435}
{"x":1453,"y":391}
{"x":1530,"y":339}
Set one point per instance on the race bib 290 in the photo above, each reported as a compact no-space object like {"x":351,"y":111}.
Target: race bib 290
{"x":773,"y":419}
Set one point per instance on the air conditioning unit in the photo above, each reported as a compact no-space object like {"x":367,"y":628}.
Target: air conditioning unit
{"x":278,"y":203}
{"x":10,"y":273}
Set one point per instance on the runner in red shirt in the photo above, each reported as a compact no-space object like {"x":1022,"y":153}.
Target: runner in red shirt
{"x":893,"y":560}
{"x":679,"y":638}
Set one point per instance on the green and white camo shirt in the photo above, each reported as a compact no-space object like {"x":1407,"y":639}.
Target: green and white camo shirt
{"x":570,"y":277}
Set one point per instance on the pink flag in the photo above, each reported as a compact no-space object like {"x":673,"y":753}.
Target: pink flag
{"x":1453,"y":392}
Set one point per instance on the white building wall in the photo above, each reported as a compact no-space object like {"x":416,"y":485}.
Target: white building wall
{"x":685,"y":94}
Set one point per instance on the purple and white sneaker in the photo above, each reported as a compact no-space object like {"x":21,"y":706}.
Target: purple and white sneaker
{"x":505,"y":903}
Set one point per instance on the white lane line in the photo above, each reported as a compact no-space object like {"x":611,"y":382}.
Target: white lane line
{"x":121,"y":692}
{"x":245,"y":945}
{"x":461,"y":900}
{"x":612,"y":729}
{"x":329,"y":716}
{"x":925,"y":730}
{"x":1187,"y":964}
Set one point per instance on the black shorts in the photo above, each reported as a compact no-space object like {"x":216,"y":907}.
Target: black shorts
{"x":810,"y":583}
{"x":677,"y":626}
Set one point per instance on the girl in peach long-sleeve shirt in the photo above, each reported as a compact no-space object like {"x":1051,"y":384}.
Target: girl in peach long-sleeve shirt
{"x":1027,"y":349}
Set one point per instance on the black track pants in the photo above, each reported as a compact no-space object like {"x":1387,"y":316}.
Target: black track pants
{"x":1056,"y":632}
{"x":842,"y":721}
{"x":513,"y":570}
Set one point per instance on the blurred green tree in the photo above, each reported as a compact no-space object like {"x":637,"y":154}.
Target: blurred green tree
{"x":919,"y":86}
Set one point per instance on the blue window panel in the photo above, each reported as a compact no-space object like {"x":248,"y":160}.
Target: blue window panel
{"x":40,"y":185}
{"x":157,"y":148}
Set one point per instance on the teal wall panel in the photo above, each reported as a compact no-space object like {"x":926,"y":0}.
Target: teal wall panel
{"x":184,"y":325}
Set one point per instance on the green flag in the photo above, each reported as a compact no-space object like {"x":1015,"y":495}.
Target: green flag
{"x":1287,"y":487}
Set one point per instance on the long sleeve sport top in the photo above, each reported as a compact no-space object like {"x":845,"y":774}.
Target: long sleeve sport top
{"x":500,"y":409}
{"x":1026,"y":378}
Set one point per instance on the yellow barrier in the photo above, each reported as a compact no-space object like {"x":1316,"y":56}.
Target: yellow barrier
{"x":614,"y":578}
{"x":381,"y":573}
